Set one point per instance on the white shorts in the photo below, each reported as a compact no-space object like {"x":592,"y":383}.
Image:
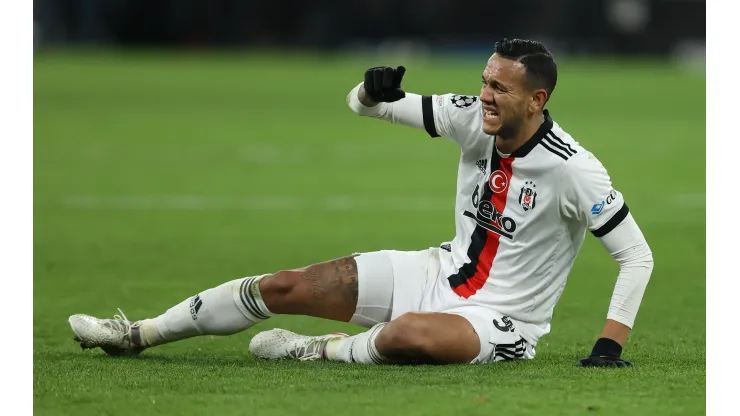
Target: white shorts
{"x":391,"y":283}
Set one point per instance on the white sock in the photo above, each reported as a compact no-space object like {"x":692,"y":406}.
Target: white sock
{"x":223,"y":310}
{"x":357,"y":349}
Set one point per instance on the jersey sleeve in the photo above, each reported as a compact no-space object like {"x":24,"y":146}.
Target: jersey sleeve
{"x":628,"y":247}
{"x":588,"y":195}
{"x":406,"y":111}
{"x":447,"y":115}
{"x":450,"y":115}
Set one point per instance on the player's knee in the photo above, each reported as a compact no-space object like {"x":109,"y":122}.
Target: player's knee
{"x":407,"y":335}
{"x":281,"y":287}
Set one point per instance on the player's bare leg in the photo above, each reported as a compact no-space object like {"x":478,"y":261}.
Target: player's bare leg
{"x":433,"y":338}
{"x":415,"y":337}
{"x":325,"y":290}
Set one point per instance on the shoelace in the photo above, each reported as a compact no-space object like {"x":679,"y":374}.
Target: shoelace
{"x":311,"y":351}
{"x":121,"y":323}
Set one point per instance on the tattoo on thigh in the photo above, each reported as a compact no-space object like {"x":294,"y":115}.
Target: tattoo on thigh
{"x":335,"y":277}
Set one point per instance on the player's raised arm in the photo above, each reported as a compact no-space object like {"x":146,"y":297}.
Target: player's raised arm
{"x":588,"y":196}
{"x":381,"y":96}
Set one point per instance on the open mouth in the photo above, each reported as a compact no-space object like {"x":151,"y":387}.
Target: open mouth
{"x":490,"y":115}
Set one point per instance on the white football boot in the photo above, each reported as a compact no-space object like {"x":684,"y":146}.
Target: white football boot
{"x":117,"y":336}
{"x":279,"y":343}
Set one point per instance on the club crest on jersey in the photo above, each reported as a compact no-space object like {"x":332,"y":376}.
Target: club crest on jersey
{"x":498,"y":181}
{"x":463,"y":101}
{"x":528,"y":196}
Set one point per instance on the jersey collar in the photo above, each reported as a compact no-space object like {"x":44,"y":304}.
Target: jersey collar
{"x":540,"y":134}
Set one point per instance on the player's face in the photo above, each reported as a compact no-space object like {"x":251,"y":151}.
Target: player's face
{"x":504,"y":96}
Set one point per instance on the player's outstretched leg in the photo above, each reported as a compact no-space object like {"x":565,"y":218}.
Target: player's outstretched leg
{"x":414,"y":337}
{"x":326,"y":290}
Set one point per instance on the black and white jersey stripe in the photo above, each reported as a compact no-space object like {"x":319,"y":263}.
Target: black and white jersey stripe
{"x":557,"y":146}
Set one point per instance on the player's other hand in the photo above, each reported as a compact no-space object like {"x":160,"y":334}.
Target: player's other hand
{"x":606,"y":353}
{"x":383,"y":84}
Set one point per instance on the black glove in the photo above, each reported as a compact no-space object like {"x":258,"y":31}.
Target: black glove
{"x":383,"y":84}
{"x":606,"y":353}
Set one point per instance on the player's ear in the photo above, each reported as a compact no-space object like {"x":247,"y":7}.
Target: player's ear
{"x":538,"y":100}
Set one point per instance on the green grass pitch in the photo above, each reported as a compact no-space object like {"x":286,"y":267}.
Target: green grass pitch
{"x":157,"y":176}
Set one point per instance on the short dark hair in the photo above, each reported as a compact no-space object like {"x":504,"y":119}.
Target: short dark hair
{"x":542,"y":72}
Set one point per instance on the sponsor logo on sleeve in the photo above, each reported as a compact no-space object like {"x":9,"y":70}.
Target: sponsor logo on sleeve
{"x":599,"y":206}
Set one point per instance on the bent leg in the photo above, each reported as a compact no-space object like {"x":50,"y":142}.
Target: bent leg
{"x":412,"y":338}
{"x":431,"y":338}
{"x":466,"y":334}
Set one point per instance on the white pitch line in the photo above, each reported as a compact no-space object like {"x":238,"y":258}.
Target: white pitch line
{"x":257,"y":203}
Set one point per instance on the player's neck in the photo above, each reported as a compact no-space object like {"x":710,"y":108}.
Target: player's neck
{"x":508,"y":145}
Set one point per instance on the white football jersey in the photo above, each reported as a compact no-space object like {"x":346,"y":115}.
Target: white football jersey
{"x":520,"y":219}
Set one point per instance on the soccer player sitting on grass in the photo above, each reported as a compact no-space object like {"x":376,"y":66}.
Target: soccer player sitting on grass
{"x":527,"y":193}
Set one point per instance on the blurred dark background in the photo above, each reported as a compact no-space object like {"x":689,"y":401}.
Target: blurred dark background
{"x":614,"y":27}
